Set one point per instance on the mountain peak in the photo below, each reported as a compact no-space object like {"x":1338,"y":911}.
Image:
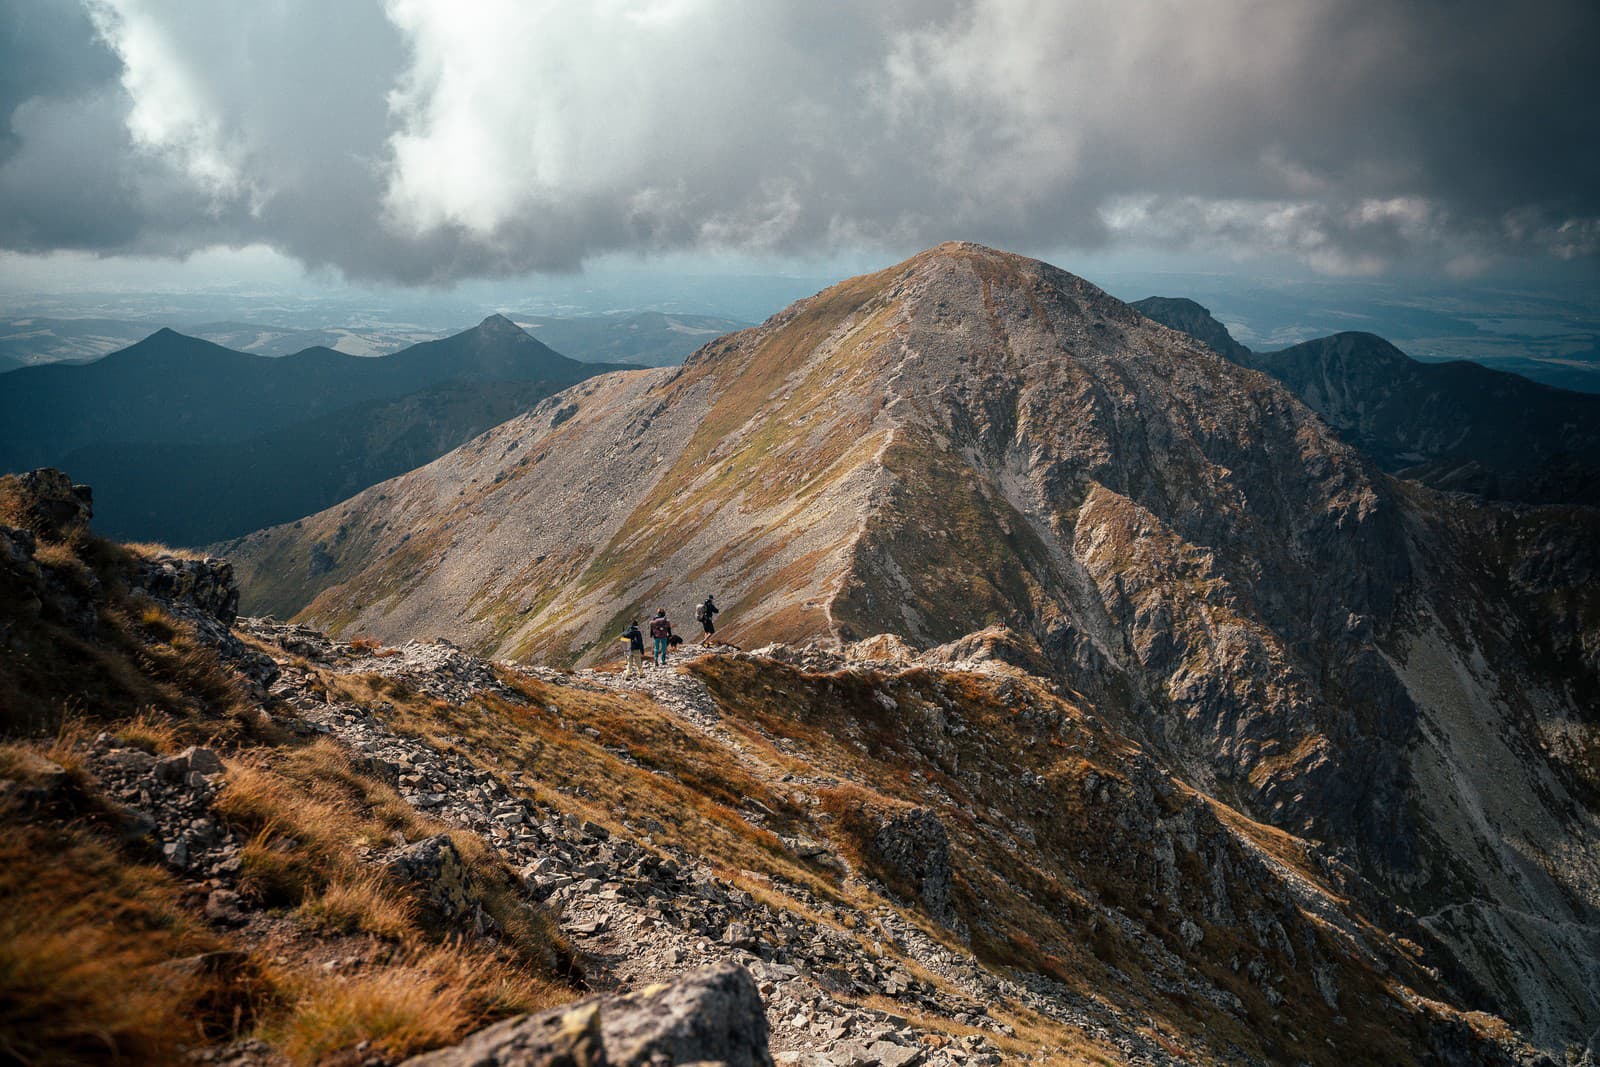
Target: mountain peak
{"x":1189,"y":317}
{"x":498,"y":323}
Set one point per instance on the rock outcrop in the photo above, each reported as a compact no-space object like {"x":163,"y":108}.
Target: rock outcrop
{"x":709,"y":1016}
{"x":915,"y":849}
{"x":1188,"y":317}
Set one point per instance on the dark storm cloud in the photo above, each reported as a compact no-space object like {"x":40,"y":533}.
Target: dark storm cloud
{"x":426,"y":142}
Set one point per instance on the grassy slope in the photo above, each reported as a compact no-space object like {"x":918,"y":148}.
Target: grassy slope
{"x":104,"y":954}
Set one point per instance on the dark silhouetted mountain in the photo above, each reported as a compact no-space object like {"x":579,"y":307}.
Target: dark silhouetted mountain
{"x":194,"y":494}
{"x":190,"y":441}
{"x":1458,"y":425}
{"x":1184,"y":315}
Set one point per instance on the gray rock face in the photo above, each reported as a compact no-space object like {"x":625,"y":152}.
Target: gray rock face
{"x":916,"y":849}
{"x":435,"y":869}
{"x":710,"y":1016}
{"x":204,"y":585}
{"x":56,"y":506}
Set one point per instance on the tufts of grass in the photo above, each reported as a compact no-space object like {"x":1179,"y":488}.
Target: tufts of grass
{"x":362,"y":903}
{"x":100,"y":962}
{"x":409,"y":1006}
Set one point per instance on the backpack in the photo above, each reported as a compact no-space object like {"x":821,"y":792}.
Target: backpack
{"x":700,"y":613}
{"x":660,"y":628}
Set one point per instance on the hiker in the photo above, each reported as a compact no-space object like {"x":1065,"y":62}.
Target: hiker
{"x":704,"y":615}
{"x":661,"y":634}
{"x":635,"y":638}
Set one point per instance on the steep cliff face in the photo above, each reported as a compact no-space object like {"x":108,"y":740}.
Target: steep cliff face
{"x":972,"y":438}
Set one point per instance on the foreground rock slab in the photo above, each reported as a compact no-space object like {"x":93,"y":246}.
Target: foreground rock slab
{"x":710,"y":1016}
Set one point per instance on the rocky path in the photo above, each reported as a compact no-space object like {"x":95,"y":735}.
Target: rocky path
{"x":688,"y":698}
{"x":640,"y":913}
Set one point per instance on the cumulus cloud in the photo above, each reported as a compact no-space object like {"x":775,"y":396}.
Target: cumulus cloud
{"x":417,"y":140}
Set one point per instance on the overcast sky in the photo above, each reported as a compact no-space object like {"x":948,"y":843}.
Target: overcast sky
{"x":434,"y":141}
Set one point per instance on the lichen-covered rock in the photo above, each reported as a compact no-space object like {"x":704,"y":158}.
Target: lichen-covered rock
{"x":53,"y":507}
{"x":435,"y":868}
{"x":565,"y":1037}
{"x":205,"y":585}
{"x":710,"y":1016}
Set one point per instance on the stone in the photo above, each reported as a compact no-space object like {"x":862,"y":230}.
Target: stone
{"x":223,"y":906}
{"x":710,"y":1016}
{"x":565,"y":1037}
{"x":914,"y":849}
{"x":192,"y":760}
{"x":54,"y":506}
{"x":435,"y":868}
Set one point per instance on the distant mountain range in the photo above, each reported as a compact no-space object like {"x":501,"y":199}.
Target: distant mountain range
{"x":648,"y":338}
{"x":191,"y":442}
{"x":1456,"y":425}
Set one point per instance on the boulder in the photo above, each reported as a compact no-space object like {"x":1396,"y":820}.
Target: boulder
{"x":53,"y":507}
{"x":435,"y":869}
{"x":913,"y":849}
{"x":205,"y":586}
{"x":709,"y":1016}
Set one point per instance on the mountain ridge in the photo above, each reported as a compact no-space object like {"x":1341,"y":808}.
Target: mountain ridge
{"x":971,"y":439}
{"x":1456,"y":425}
{"x":173,"y":419}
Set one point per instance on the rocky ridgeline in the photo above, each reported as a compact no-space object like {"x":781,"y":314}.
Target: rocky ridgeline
{"x":688,"y":963}
{"x":645,"y":913}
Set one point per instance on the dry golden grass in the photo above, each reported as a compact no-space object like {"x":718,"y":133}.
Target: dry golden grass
{"x":362,"y":903}
{"x":312,"y":812}
{"x":89,"y":951}
{"x":153,"y":733}
{"x":409,"y":1005}
{"x":153,"y":549}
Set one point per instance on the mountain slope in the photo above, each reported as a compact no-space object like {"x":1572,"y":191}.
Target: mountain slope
{"x":1186,"y":316}
{"x":151,"y":490}
{"x":194,"y":442}
{"x":1457,"y":426}
{"x":218,"y":829}
{"x":1453,"y":425}
{"x":971,"y":439}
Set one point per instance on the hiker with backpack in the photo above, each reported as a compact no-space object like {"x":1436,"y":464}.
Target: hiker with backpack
{"x":661,"y":634}
{"x":704,"y":615}
{"x":635,"y":638}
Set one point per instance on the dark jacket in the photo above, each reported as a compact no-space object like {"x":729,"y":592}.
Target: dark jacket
{"x":635,"y":638}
